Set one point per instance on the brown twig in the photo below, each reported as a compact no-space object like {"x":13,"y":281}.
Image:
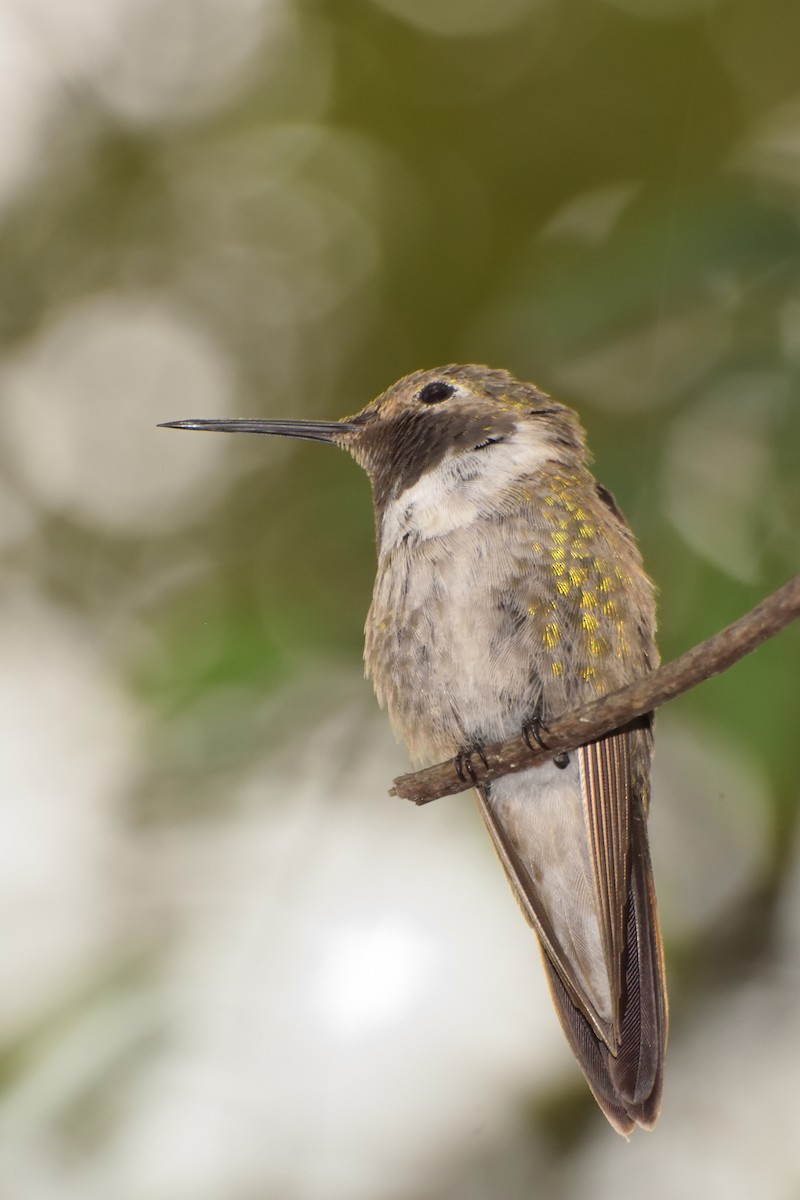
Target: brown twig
{"x":582,"y":725}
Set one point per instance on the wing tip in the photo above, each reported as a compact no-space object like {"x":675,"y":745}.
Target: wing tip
{"x":626,"y":1118}
{"x":623,"y":1109}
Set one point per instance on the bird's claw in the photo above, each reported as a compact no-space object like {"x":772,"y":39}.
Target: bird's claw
{"x":463,"y":762}
{"x":532,"y":732}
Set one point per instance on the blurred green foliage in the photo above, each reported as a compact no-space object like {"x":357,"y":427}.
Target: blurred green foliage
{"x":491,"y":137}
{"x":464,"y":156}
{"x":460,"y":158}
{"x":601,"y":196}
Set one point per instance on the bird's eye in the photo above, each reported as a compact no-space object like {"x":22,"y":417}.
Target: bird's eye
{"x":435,"y":392}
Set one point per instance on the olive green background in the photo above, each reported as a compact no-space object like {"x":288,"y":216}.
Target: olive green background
{"x":603,"y":197}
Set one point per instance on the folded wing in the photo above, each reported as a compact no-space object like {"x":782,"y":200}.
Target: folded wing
{"x":574,"y":846}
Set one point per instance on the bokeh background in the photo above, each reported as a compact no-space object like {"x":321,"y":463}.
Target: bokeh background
{"x":232,"y":967}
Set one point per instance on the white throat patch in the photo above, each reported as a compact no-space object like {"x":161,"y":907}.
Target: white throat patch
{"x":462,"y":487}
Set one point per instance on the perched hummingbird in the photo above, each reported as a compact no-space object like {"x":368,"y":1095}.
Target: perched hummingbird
{"x":510,"y":589}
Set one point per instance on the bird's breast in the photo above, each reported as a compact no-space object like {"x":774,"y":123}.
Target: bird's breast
{"x":486,"y":613}
{"x":443,"y":643}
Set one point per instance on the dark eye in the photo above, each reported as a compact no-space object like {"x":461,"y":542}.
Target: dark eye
{"x":435,"y":392}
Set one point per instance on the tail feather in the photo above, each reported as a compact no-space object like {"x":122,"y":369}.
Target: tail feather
{"x":628,"y":1085}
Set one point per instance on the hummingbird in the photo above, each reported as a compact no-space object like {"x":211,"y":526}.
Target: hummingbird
{"x":509,"y":589}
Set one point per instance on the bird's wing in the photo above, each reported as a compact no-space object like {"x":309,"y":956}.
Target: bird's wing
{"x":621,"y":1049}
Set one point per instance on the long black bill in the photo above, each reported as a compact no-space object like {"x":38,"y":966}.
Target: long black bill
{"x":311,"y":431}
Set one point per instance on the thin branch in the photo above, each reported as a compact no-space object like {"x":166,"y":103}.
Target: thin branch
{"x":601,"y":716}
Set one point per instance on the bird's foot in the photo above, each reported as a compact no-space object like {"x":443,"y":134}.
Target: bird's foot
{"x":532,"y":732}
{"x":464,"y":762}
